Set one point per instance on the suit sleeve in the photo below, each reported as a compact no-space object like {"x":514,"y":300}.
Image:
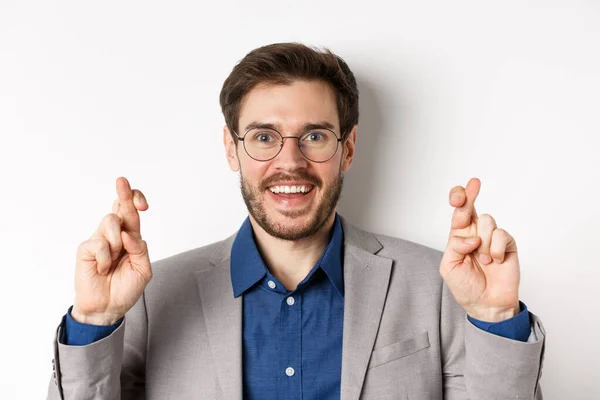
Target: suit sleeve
{"x":110,"y":368}
{"x":80,"y":334}
{"x":481,"y":365}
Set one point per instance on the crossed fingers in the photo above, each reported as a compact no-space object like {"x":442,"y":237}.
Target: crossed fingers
{"x":495,"y":242}
{"x":126,"y":207}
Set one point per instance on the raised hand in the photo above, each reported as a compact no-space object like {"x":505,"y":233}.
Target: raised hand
{"x":113,"y":266}
{"x":480,"y":265}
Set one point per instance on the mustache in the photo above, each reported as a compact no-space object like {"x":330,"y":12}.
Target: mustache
{"x":301,"y":176}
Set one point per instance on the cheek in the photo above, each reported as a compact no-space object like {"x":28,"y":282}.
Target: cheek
{"x":328,"y":172}
{"x":253,"y":171}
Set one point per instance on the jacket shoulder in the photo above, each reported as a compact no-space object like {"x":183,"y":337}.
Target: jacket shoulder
{"x":402,"y":249}
{"x":184,"y":266}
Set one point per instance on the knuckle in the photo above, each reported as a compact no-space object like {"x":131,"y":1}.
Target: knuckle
{"x":454,"y":242}
{"x":501,"y":233}
{"x":496,"y":253}
{"x":486,"y":218}
{"x":112,"y":226}
{"x":109,"y":222}
{"x":83,"y":246}
{"x":90,"y":244}
{"x":112,"y":218}
{"x":97,"y":246}
{"x":102,"y":245}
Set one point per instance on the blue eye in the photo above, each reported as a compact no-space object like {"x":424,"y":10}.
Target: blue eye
{"x":314,"y":137}
{"x":264,"y":137}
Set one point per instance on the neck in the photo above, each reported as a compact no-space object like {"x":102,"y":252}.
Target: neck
{"x":291,"y":261}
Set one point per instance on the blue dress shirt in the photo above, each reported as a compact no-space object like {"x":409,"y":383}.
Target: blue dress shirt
{"x":292,"y":340}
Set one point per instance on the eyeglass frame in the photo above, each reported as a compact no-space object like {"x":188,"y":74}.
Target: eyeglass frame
{"x":241,"y":139}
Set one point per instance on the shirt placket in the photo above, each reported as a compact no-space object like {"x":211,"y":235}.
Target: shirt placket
{"x":290,"y":345}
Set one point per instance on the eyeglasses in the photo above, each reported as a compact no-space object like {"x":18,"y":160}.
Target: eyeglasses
{"x":263,"y":144}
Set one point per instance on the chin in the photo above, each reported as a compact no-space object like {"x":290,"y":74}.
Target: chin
{"x":292,"y":217}
{"x":292,"y":225}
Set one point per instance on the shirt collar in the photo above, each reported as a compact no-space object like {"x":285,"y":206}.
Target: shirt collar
{"x":331,"y":261}
{"x":248,"y":267}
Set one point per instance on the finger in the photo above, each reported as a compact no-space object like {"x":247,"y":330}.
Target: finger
{"x":485,"y":227}
{"x":129,"y":214}
{"x":502,"y":243}
{"x":135,"y":247}
{"x":110,"y":230}
{"x":458,"y":247}
{"x":464,"y":215}
{"x":97,"y":250}
{"x":116,"y":207}
{"x":139,"y":200}
{"x":138,"y":254}
{"x":457,"y":196}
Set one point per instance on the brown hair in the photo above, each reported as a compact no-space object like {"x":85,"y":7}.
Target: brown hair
{"x":283,"y":63}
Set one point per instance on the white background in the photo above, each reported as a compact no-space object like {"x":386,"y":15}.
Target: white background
{"x":506,"y":91}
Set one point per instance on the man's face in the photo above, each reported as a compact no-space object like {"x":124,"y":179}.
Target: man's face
{"x":290,"y":216}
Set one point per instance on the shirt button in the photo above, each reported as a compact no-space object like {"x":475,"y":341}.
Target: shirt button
{"x":272,"y":284}
{"x":289,"y":371}
{"x":291,"y":301}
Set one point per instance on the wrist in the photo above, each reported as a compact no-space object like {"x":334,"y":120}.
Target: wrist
{"x":104,"y":319}
{"x":494,"y":314}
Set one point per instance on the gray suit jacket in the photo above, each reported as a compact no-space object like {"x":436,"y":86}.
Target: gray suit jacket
{"x":404,"y":336}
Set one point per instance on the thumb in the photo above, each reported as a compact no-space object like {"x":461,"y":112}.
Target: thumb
{"x":458,"y":247}
{"x":138,"y":255}
{"x":135,"y":247}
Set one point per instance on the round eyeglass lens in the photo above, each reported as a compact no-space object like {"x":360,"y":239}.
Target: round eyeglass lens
{"x":317,"y":145}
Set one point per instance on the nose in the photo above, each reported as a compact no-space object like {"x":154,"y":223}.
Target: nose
{"x":290,"y":157}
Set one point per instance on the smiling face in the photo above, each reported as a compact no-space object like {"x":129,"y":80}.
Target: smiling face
{"x":289,"y":196}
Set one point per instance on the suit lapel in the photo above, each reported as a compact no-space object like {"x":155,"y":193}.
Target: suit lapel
{"x":223,"y":318}
{"x":366,"y":280}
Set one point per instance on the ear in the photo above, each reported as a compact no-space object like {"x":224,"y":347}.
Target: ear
{"x":230,"y":150}
{"x":349,"y":145}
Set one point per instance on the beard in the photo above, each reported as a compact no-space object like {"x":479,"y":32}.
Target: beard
{"x":252,"y":197}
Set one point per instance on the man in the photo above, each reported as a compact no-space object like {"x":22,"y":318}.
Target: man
{"x":298,"y":304}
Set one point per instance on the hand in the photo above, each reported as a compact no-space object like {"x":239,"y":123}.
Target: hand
{"x":480,"y":264}
{"x":113,"y":266}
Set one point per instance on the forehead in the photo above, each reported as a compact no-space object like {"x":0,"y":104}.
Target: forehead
{"x":289,"y":106}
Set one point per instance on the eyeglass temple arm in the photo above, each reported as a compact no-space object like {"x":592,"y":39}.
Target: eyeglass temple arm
{"x":241,"y":139}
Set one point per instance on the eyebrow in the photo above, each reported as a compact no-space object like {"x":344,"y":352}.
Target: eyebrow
{"x":306,"y":127}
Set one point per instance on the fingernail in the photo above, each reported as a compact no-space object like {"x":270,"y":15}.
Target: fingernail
{"x":455,"y":197}
{"x":484,"y":258}
{"x":470,"y":240}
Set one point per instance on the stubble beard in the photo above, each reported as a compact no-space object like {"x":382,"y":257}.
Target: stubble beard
{"x":252,"y":197}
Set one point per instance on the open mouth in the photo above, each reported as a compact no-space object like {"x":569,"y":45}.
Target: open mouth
{"x":291,"y":189}
{"x":292,"y":195}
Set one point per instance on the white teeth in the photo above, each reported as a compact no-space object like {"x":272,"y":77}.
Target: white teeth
{"x":289,"y":189}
